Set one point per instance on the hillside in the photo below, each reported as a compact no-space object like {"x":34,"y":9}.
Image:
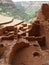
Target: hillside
{"x":13,"y":11}
{"x":21,"y":10}
{"x":28,"y":8}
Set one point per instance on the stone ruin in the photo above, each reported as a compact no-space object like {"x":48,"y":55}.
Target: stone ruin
{"x":25,"y":44}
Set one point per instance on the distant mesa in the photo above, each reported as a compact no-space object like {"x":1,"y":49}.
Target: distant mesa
{"x":7,"y":1}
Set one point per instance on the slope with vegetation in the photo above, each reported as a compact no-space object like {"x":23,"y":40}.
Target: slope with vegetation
{"x":18,"y":11}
